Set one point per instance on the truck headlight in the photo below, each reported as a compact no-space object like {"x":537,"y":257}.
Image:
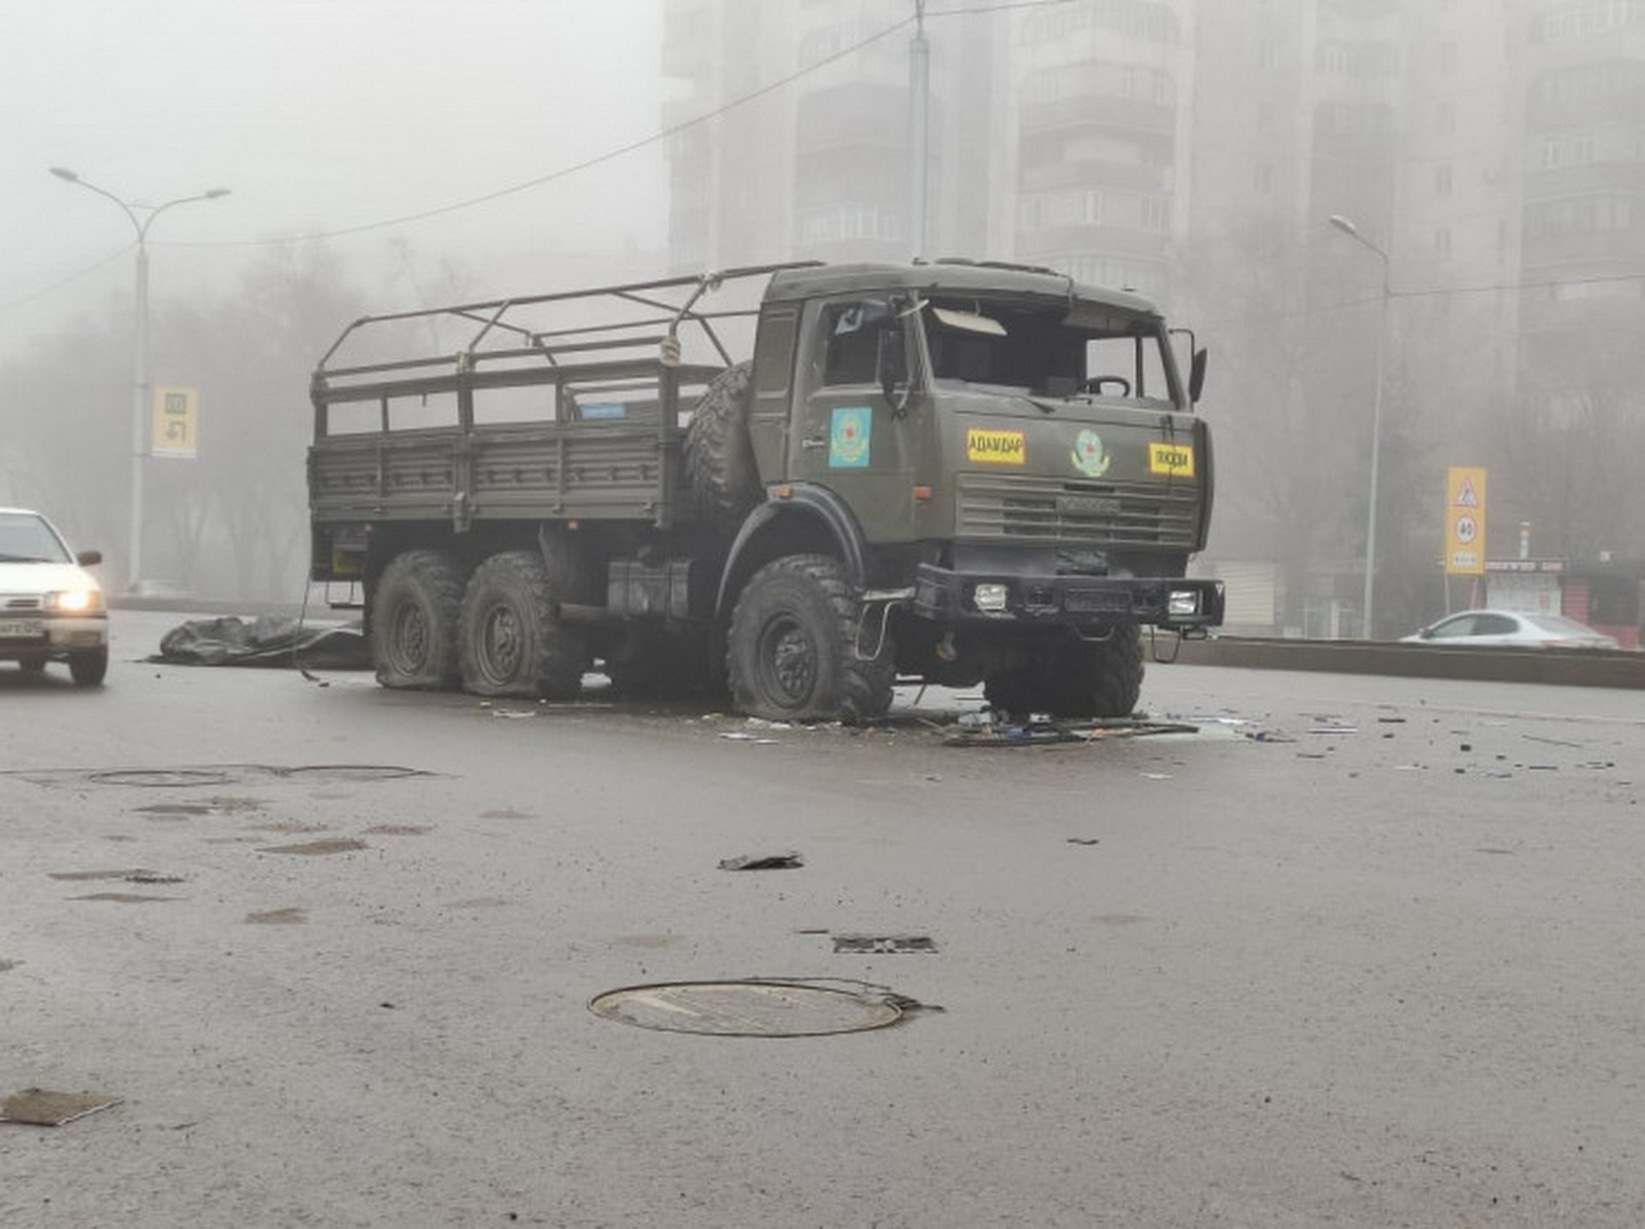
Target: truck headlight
{"x":1183,"y":603}
{"x":989,"y":598}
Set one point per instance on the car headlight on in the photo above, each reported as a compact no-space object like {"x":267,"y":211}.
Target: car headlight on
{"x":75,"y":601}
{"x":990,"y":597}
{"x":1183,"y":603}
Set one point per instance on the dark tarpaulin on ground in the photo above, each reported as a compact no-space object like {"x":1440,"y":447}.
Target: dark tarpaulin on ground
{"x":267,"y":640}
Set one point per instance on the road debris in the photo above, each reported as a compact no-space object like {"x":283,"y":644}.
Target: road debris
{"x":883,"y":945}
{"x":989,"y":729}
{"x":785,"y":861}
{"x":39,"y":1107}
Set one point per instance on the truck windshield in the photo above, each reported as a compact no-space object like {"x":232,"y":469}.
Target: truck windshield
{"x":1048,"y":352}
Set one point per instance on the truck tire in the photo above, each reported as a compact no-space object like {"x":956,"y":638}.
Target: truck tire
{"x":1086,"y":678}
{"x":414,"y":621}
{"x":793,"y":652}
{"x":1108,"y":682}
{"x":88,"y":666}
{"x":510,"y":641}
{"x":719,"y":456}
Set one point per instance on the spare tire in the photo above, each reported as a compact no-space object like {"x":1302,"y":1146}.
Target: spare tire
{"x":719,"y":456}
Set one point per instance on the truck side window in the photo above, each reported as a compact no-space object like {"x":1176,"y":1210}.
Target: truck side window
{"x":852,"y":350}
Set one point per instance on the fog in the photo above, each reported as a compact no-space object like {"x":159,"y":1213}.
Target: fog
{"x":1479,"y":306}
{"x":371,"y":123}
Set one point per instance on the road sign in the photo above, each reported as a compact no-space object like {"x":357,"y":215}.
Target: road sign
{"x":1465,"y":520}
{"x":176,"y":422}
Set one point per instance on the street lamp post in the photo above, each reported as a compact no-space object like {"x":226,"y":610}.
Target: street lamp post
{"x":1352,"y":231}
{"x":140,"y":409}
{"x":919,"y":130}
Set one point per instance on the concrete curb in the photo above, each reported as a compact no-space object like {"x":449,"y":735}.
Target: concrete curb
{"x":1562,"y":667}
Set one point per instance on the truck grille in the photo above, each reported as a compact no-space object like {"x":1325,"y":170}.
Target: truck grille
{"x":1049,"y":511}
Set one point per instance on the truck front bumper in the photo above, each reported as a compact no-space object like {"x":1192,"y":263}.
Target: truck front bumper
{"x":1175,"y":603}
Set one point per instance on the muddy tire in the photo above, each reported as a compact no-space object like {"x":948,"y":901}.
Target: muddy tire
{"x":719,"y":456}
{"x":88,"y":666}
{"x":414,"y":621}
{"x":793,"y":652}
{"x":510,"y":641}
{"x":1097,"y":679}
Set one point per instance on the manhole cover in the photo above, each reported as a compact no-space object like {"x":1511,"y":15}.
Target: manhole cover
{"x":748,"y":1008}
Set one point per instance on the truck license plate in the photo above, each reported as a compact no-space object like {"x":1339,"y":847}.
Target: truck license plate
{"x":21,"y":629}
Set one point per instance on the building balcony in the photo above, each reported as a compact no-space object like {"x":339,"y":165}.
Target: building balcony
{"x":1098,"y":112}
{"x":1131,"y":176}
{"x":1129,"y":242}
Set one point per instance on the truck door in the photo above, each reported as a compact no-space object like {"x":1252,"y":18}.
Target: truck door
{"x":851,"y":437}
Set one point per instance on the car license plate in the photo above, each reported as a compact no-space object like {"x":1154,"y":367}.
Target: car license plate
{"x":21,"y":629}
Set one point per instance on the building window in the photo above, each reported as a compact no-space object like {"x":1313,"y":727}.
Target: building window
{"x":842,"y":222}
{"x":1592,"y":17}
{"x":1156,"y":214}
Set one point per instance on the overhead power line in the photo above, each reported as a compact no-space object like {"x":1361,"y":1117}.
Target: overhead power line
{"x":654,"y":138}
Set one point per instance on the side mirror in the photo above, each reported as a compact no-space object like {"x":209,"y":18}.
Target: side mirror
{"x":89,"y":558}
{"x":869,"y":314}
{"x":1196,"y":375}
{"x":892,"y":368}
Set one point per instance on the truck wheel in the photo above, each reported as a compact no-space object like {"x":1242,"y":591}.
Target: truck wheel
{"x":414,"y":621}
{"x":793,"y":651}
{"x":1086,"y":678}
{"x":719,"y":457}
{"x":88,"y":667}
{"x":1111,"y":678}
{"x":510,"y":641}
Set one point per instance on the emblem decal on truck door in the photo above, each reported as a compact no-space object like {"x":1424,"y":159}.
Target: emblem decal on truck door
{"x":1089,"y":456}
{"x":850,"y":437}
{"x":995,"y":447}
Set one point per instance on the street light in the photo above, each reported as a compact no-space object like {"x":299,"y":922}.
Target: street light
{"x":141,"y":398}
{"x":919,"y":129}
{"x":1352,"y":231}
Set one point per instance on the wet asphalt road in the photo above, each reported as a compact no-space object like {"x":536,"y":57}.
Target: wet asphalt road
{"x":1359,"y":951}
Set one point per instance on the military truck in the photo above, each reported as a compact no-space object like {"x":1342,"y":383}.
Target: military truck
{"x":800,"y":483}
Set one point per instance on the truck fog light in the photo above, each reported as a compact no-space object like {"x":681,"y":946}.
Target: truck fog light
{"x":1183,"y":602}
{"x":990,"y":597}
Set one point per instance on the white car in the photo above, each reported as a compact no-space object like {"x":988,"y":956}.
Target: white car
{"x":51,"y":609}
{"x":1511,"y":629}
